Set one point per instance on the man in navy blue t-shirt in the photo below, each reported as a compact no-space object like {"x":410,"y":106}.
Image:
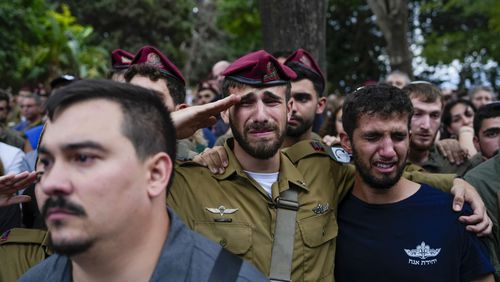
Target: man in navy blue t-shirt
{"x":390,"y":228}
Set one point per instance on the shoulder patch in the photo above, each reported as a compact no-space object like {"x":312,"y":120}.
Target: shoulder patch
{"x":340,"y":155}
{"x":5,"y":236}
{"x":24,"y":236}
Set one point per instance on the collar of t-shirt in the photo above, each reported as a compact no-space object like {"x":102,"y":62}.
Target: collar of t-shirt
{"x":266,"y":180}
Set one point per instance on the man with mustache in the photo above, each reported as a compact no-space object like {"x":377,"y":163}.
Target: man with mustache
{"x":394,"y":228}
{"x":103,"y":189}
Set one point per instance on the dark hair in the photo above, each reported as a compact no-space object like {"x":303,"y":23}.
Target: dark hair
{"x":35,"y":97}
{"x":424,"y":91}
{"x":230,"y":83}
{"x":146,"y":122}
{"x":305,"y":73}
{"x":329,"y":127}
{"x":4,"y":96}
{"x":383,"y":100}
{"x":491,"y":110}
{"x":175,"y":87}
{"x":450,"y":105}
{"x":473,"y":91}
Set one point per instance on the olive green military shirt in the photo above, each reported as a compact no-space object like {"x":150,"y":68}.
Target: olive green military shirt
{"x":233,"y":210}
{"x":486,"y":178}
{"x":437,"y":163}
{"x":21,"y":249}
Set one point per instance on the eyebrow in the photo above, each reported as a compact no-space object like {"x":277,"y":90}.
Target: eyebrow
{"x":271,"y":95}
{"x":77,"y":146}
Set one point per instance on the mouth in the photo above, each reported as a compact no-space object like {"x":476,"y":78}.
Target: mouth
{"x":385,"y":167}
{"x":55,"y":214}
{"x":261,"y":132}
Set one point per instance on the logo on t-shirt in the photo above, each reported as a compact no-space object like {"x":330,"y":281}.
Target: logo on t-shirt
{"x":424,"y":253}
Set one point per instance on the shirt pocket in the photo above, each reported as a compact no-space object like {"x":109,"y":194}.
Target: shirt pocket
{"x":235,"y":237}
{"x":318,"y":234}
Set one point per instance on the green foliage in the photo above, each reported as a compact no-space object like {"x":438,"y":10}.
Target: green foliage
{"x":41,"y":44}
{"x":240,"y":20}
{"x":353,"y":47}
{"x":129,"y":25}
{"x":462,"y":30}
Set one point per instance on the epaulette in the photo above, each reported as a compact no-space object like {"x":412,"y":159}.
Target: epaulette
{"x":187,"y":163}
{"x":303,"y":149}
{"x":24,"y":235}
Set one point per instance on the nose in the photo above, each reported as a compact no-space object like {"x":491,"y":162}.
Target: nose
{"x":467,"y":120}
{"x":425,"y":122}
{"x":56,"y":181}
{"x":292,"y":106}
{"x":260,"y":114}
{"x":386,"y":149}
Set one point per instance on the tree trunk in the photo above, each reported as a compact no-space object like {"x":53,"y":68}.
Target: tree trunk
{"x":291,"y":24}
{"x":392,"y":19}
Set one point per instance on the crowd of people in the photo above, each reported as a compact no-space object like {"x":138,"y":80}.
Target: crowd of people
{"x":130,"y":179}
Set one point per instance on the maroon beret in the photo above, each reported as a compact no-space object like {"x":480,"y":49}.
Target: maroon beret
{"x":259,"y":69}
{"x":304,"y":59}
{"x":152,"y":56}
{"x":121,"y":59}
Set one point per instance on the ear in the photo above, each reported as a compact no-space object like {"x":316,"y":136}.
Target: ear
{"x":160,"y":169}
{"x":476,"y":143}
{"x":345,"y":142}
{"x":321,"y":105}
{"x":181,"y":106}
{"x":225,"y":116}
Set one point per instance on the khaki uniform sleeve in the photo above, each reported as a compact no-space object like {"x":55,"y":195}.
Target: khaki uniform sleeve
{"x":20,"y":250}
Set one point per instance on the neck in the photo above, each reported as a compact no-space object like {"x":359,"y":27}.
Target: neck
{"x":292,"y":140}
{"x":418,"y":157}
{"x":129,"y":256}
{"x":253,"y":164}
{"x":403,"y":189}
{"x":34,"y":120}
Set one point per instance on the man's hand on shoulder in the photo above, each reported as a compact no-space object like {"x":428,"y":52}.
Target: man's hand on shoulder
{"x":478,"y":222}
{"x":451,"y":149}
{"x":214,"y":158}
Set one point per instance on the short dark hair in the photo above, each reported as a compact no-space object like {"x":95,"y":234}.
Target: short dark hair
{"x":382,"y":99}
{"x":4,"y":96}
{"x":230,"y":83}
{"x":491,"y":110}
{"x":474,"y":90}
{"x":424,"y":91}
{"x":450,"y":105}
{"x":146,"y":120}
{"x":175,"y":87}
{"x":305,"y":73}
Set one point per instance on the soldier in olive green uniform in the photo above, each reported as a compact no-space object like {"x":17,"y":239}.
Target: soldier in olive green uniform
{"x":20,"y":249}
{"x":486,"y":179}
{"x":426,"y":120}
{"x":234,"y":210}
{"x":151,"y":69}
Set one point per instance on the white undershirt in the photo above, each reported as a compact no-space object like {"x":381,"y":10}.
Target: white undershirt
{"x":266,"y":180}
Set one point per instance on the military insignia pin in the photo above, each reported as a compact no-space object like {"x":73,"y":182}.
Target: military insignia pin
{"x":321,"y":209}
{"x":222,"y":210}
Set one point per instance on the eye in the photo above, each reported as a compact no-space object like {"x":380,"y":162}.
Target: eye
{"x":399,"y":136}
{"x":83,"y":158}
{"x":435,"y":115}
{"x":43,"y":163}
{"x":492,"y":133}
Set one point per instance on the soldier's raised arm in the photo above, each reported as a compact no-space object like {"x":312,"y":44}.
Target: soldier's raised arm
{"x":190,"y":119}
